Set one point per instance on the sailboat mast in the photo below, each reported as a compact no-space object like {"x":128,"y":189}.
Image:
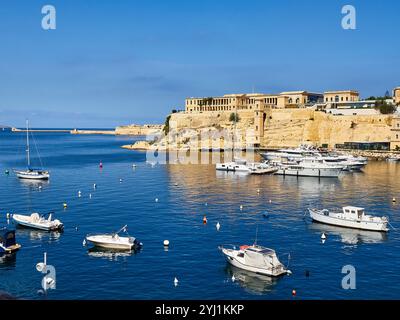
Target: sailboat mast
{"x":28,"y":156}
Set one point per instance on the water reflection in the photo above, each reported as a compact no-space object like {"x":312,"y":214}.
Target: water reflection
{"x":252,"y":282}
{"x":110,"y":254}
{"x":350,"y":236}
{"x":8,"y":261}
{"x":38,"y":235}
{"x":35,"y":185}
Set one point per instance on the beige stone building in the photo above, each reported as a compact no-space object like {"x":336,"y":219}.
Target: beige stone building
{"x":236,"y":102}
{"x":341,"y":96}
{"x":396,"y":95}
{"x":395,"y":139}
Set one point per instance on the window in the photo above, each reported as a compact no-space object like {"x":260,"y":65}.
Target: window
{"x":336,"y":98}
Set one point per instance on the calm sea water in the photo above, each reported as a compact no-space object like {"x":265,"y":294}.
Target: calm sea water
{"x":186,"y":193}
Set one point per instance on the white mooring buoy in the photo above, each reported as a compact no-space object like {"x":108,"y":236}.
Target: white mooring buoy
{"x":166,"y":243}
{"x":176,"y":281}
{"x":241,"y":207}
{"x":233,"y":278}
{"x":156,"y":199}
{"x":323,"y":236}
{"x":218,"y":226}
{"x":84,"y":242}
{"x":79,"y":194}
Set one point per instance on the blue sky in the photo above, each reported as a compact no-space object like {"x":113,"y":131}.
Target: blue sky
{"x":113,"y":62}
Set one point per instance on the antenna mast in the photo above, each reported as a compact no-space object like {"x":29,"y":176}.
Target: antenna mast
{"x":28,"y":156}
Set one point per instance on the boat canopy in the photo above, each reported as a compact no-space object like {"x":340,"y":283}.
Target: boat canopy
{"x":7,"y":237}
{"x":349,"y":209}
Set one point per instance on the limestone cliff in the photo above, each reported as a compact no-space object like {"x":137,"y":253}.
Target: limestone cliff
{"x":138,"y":130}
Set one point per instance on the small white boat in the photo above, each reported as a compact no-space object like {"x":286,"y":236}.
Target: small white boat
{"x":36,"y":221}
{"x":256,"y":259}
{"x":30,"y":173}
{"x":350,"y":217}
{"x":114,"y":241}
{"x":239,"y":165}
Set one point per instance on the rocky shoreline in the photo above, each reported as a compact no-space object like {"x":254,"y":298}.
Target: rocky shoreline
{"x":146,"y":146}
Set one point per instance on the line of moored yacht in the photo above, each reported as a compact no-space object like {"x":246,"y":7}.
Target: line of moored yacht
{"x":303,"y":161}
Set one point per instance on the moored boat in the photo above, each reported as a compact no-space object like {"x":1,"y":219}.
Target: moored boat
{"x":8,"y":243}
{"x":350,"y":217}
{"x":31,"y":173}
{"x":37,"y":221}
{"x":114,"y":241}
{"x":255,"y":258}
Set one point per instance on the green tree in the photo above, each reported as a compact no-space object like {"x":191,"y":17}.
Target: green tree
{"x":166,"y":125}
{"x":234,"y":117}
{"x":384,"y":107}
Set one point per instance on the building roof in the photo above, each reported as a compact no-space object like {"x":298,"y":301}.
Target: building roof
{"x":293,"y":92}
{"x":341,"y":91}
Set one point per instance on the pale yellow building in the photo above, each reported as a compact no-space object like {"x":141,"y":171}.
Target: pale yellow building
{"x":396,"y":95}
{"x":236,"y":102}
{"x":395,"y":139}
{"x":341,"y":96}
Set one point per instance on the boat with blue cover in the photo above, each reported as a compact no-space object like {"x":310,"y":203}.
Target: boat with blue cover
{"x":8,"y":243}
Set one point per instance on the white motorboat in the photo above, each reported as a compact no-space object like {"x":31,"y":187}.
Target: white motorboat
{"x":256,"y":259}
{"x":30,"y":173}
{"x":36,"y":221}
{"x":114,"y":241}
{"x":239,"y":165}
{"x":350,"y":217}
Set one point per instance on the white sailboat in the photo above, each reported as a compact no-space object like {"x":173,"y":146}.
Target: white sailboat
{"x":30,"y":173}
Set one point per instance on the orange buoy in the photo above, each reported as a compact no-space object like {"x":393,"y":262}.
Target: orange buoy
{"x":205,"y":220}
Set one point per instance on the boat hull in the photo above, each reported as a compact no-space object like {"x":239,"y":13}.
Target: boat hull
{"x":32,"y":175}
{"x":310,"y":172}
{"x":230,"y":258}
{"x":110,"y":243}
{"x":19,"y":220}
{"x":346,"y":223}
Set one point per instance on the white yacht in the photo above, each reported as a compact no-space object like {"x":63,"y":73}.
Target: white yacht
{"x":30,"y":173}
{"x":309,"y":167}
{"x":256,"y":259}
{"x":36,"y":221}
{"x":350,"y":217}
{"x":114,"y":241}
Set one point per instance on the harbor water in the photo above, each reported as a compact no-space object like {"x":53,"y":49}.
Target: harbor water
{"x":273,"y":209}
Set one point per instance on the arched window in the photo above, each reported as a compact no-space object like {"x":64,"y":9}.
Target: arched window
{"x":336,"y":98}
